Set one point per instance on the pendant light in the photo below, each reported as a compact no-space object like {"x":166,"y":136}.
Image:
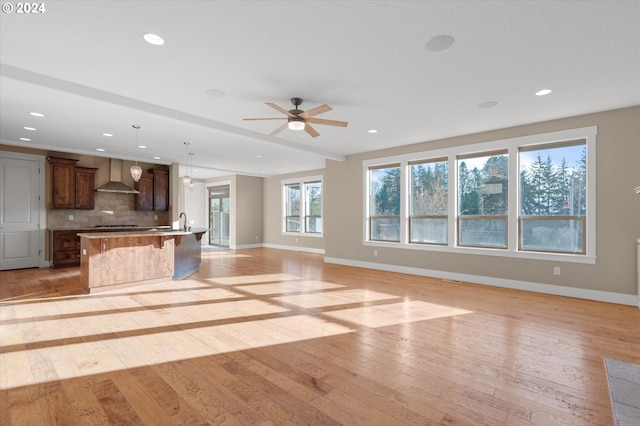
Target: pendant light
{"x":186,"y":179}
{"x":136,"y":171}
{"x":191,"y":154}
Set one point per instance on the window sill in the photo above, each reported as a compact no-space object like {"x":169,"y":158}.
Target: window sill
{"x":481,"y":251}
{"x":302,"y":234}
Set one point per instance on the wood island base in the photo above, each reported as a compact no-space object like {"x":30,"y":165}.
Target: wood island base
{"x":122,"y":259}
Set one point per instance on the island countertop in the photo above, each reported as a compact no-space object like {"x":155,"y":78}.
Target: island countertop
{"x":146,"y":233}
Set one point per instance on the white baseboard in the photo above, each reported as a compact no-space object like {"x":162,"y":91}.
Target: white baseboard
{"x":580,"y":293}
{"x":245,"y":246}
{"x":294,"y":248}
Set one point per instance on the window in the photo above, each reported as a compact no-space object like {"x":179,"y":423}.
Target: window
{"x":530,"y":197}
{"x":384,"y":199}
{"x":428,"y":219}
{"x":482,"y":200}
{"x":313,"y":207}
{"x":303,"y":206}
{"x":292,"y":207}
{"x":553,"y":197}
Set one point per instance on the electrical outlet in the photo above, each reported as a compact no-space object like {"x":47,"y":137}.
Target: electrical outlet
{"x":556,"y":270}
{"x":70,"y":217}
{"x":375,"y":252}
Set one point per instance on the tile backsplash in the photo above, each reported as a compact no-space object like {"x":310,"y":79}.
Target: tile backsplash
{"x":111,"y":209}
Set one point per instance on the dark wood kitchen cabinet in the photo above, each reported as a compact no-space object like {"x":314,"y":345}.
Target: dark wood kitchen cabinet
{"x":160,"y":189}
{"x":71,"y":187}
{"x":65,"y":248}
{"x":144,"y":200}
{"x":154,"y":190}
{"x":85,"y":188}
{"x":63,"y":183}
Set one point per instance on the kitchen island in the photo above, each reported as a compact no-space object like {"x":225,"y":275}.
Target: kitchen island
{"x":112,"y":260}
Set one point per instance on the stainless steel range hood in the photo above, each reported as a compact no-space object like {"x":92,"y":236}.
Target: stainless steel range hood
{"x":115,"y":183}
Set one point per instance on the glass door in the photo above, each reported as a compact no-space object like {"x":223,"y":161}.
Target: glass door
{"x":219,"y":210}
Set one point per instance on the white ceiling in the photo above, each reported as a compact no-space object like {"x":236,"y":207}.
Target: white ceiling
{"x":85,"y":65}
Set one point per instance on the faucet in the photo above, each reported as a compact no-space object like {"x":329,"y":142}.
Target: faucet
{"x":185,"y":219}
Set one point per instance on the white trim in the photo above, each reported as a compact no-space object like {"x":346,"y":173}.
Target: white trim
{"x":512,"y":145}
{"x":245,"y":246}
{"x":580,"y":293}
{"x":483,"y":251}
{"x":293,"y":248}
{"x":302,"y":181}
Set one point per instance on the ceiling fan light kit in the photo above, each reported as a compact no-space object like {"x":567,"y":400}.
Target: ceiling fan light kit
{"x":298,"y":119}
{"x":296,"y":124}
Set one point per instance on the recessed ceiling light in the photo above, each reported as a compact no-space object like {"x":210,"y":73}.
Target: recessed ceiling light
{"x":215,"y":93}
{"x":36,"y":114}
{"x":107,"y":135}
{"x":543,"y":92}
{"x":488,"y":104}
{"x":258,"y":156}
{"x":29,"y":128}
{"x":154,"y":39}
{"x":25,"y":139}
{"x":156,"y":158}
{"x":439,"y":43}
{"x":142,"y":146}
{"x":100,"y":149}
{"x":372,"y":131}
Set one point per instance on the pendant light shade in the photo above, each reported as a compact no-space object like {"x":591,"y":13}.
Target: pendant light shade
{"x":136,"y":171}
{"x":186,"y":180}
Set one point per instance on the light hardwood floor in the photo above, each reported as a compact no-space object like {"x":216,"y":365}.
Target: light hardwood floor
{"x":273,"y":337}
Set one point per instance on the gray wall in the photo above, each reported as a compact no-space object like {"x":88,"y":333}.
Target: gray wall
{"x":245,"y":193}
{"x":248,"y":210}
{"x":273,"y":236}
{"x":617,"y":211}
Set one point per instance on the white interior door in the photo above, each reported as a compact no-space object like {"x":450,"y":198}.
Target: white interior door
{"x":21,"y":241}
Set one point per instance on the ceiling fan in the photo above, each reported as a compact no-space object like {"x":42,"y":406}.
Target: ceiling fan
{"x":298,"y":119}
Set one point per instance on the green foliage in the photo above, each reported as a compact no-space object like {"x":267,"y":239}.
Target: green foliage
{"x":554,"y":190}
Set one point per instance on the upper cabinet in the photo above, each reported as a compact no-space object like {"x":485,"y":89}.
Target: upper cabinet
{"x":160,"y":189}
{"x":154,"y":190}
{"x":71,"y":187}
{"x":85,"y":188}
{"x":144,"y":200}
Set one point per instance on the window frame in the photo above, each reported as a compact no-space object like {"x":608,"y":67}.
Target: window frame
{"x":368,"y":196}
{"x":302,"y":183}
{"x":411,"y":217}
{"x":512,"y":147}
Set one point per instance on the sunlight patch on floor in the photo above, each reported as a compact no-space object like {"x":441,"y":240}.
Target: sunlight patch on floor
{"x":111,"y":354}
{"x":252,"y":279}
{"x":395,"y":313}
{"x":289,"y":286}
{"x":154,"y":320}
{"x":334,"y":298}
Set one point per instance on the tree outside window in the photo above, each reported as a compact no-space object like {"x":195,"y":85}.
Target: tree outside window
{"x":313,"y":207}
{"x":553,"y":198}
{"x":483,"y":200}
{"x":428,"y":220}
{"x":384,"y":202}
{"x":292,"y":206}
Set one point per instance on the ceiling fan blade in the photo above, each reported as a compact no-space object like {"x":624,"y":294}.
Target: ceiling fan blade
{"x":279,"y":129}
{"x":272,"y":118}
{"x":327,"y":122}
{"x":315,"y":111}
{"x":310,"y":130}
{"x":279,"y":108}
